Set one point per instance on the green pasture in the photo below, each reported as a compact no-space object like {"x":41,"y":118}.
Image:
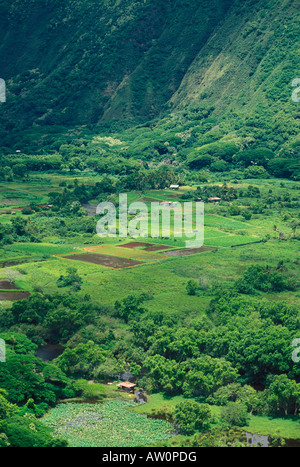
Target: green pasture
{"x":166,"y":279}
{"x":288,"y":427}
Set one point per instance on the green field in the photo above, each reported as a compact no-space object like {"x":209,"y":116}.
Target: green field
{"x":235,"y":245}
{"x":111,"y":424}
{"x":288,"y":428}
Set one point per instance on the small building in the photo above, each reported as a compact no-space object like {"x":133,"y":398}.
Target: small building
{"x":127,"y":386}
{"x":214,"y":199}
{"x":174,"y":187}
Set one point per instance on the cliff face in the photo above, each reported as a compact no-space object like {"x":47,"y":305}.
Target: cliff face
{"x":78,"y":62}
{"x":252,"y":58}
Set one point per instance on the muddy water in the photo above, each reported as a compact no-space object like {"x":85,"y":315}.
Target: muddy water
{"x":266,"y":441}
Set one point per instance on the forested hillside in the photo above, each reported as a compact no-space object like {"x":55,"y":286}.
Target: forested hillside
{"x":72,"y":63}
{"x":77,"y":62}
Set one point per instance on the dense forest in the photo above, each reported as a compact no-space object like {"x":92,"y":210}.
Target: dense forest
{"x":104,"y":98}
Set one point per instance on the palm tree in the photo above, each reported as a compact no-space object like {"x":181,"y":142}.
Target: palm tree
{"x":275,"y":229}
{"x":294,"y":226}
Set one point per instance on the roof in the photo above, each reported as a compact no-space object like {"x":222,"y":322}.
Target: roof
{"x":127,"y":384}
{"x":215,"y":197}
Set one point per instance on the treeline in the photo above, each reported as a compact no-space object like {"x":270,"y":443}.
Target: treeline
{"x":240,"y":340}
{"x":237,"y":351}
{"x":146,"y":163}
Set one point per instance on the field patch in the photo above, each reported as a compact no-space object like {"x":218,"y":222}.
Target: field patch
{"x":110,"y":424}
{"x":189,"y":251}
{"x":108,"y":261}
{"x":135,"y":253}
{"x":8,"y":285}
{"x":145,"y":246}
{"x":134,"y":245}
{"x":12,"y":296}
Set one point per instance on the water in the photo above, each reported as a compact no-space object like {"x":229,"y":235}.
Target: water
{"x":254,"y":440}
{"x":265,"y":441}
{"x":49,"y":351}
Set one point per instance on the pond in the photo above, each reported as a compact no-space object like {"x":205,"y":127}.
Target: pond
{"x":255,"y":440}
{"x":49,"y":351}
{"x":265,"y":440}
{"x":110,"y":424}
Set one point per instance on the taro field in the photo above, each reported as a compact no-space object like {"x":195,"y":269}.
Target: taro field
{"x":108,"y":424}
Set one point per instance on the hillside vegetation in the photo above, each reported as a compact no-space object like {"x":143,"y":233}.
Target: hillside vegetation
{"x":99,"y":67}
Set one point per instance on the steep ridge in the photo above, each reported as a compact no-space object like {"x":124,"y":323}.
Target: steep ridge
{"x":76,"y":62}
{"x":90,"y":63}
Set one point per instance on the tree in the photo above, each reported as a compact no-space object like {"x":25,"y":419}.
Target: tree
{"x":19,"y":170}
{"x":81,"y":360}
{"x":7,"y":409}
{"x":70,"y":279}
{"x":235,"y":392}
{"x":259,"y":156}
{"x":283,"y":395}
{"x":192,"y":287}
{"x":19,"y":224}
{"x":165,"y":374}
{"x":27,"y":431}
{"x":295,"y":224}
{"x":205,"y":374}
{"x":190,"y":416}
{"x":234,"y":414}
{"x":130,"y":307}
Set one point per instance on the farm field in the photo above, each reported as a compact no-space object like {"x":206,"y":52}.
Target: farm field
{"x":110,"y":424}
{"x":113,"y":269}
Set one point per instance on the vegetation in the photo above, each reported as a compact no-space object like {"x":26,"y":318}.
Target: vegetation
{"x":206,"y":335}
{"x":110,"y":424}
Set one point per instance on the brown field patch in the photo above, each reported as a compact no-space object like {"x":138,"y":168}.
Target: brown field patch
{"x":146,"y":246}
{"x":12,"y":296}
{"x":157,"y":247}
{"x":8,"y":285}
{"x":135,"y":245}
{"x":189,"y":251}
{"x":108,"y":261}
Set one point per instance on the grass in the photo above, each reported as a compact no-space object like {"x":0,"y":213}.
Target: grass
{"x":166,"y":279}
{"x":288,"y":427}
{"x":157,"y":400}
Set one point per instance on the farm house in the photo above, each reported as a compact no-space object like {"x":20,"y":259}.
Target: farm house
{"x":127,"y":386}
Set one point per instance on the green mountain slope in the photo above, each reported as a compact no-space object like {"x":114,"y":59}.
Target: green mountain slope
{"x":246,"y":69}
{"x":91,"y":63}
{"x":75,"y":62}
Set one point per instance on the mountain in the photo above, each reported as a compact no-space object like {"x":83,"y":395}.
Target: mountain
{"x":74,"y":63}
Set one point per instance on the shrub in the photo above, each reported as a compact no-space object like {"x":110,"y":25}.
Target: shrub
{"x":234,"y":414}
